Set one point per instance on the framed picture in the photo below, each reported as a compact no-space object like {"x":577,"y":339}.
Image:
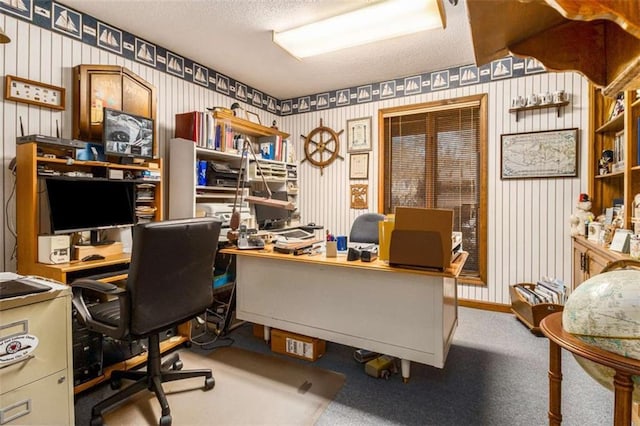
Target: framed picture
{"x":545,"y":154}
{"x":359,"y":166}
{"x":32,"y":92}
{"x":359,"y":196}
{"x":253,"y":117}
{"x":359,"y":134}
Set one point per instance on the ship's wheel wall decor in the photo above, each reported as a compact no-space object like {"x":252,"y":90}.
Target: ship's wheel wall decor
{"x":322,"y":146}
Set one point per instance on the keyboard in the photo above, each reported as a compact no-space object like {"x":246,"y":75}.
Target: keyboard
{"x":107,"y":274}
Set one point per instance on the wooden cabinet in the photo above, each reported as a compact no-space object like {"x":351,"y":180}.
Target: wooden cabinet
{"x":184,"y":155}
{"x":598,"y":38}
{"x":620,"y":135}
{"x":111,"y":86}
{"x":589,"y":259}
{"x":38,"y":387}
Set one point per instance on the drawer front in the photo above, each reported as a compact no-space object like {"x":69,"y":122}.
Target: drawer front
{"x":49,"y":322}
{"x":44,"y":402}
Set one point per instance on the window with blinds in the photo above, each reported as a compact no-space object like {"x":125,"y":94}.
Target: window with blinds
{"x":433,"y":156}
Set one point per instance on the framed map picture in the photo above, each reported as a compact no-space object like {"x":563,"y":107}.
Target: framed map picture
{"x":545,"y":154}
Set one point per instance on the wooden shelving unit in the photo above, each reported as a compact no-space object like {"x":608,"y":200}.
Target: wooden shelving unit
{"x":625,"y":183}
{"x":557,"y":106}
{"x":30,"y":216}
{"x":184,"y":193}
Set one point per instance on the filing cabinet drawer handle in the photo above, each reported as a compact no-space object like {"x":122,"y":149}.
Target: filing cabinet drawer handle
{"x":16,"y":361}
{"x":5,"y":417}
{"x":23,"y":325}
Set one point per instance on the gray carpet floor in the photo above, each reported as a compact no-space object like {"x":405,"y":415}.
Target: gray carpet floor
{"x":495,"y":374}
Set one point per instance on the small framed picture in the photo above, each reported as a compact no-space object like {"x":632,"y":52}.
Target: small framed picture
{"x":359,"y":134}
{"x":359,"y":166}
{"x":253,"y":117}
{"x":32,"y":92}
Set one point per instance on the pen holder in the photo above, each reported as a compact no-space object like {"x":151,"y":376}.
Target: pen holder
{"x":331,"y":249}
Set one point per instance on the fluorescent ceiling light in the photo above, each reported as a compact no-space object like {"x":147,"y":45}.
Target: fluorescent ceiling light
{"x":380,"y":21}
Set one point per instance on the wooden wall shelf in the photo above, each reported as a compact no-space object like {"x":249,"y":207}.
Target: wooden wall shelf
{"x":557,"y":106}
{"x":613,"y":125}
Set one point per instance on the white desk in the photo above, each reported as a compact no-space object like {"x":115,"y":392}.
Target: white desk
{"x":409,"y":314}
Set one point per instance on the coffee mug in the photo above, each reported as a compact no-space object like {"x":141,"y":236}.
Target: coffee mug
{"x":532,"y":100}
{"x":518,"y":102}
{"x":341,"y":242}
{"x":545,"y":98}
{"x":558,"y":96}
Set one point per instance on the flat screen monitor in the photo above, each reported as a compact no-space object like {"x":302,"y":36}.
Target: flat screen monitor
{"x":127,"y":135}
{"x":268,"y":217}
{"x":89,"y":205}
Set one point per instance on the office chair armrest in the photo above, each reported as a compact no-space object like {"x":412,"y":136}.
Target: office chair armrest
{"x":80,"y":285}
{"x":99,"y":286}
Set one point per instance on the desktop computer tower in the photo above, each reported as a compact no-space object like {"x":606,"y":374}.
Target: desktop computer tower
{"x":87,"y":352}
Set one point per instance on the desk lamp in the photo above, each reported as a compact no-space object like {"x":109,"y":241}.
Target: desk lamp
{"x":234,"y":222}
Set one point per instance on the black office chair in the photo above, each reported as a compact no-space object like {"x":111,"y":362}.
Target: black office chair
{"x":365,"y":228}
{"x":170,"y":281}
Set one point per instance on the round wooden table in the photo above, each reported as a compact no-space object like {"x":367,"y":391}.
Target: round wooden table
{"x":551,"y":327}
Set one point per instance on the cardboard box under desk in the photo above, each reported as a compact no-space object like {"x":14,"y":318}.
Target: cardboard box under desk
{"x":258,"y":331}
{"x":105,"y":250}
{"x":297,"y":345}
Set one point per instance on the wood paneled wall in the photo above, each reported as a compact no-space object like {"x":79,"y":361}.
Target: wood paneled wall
{"x":528,"y":219}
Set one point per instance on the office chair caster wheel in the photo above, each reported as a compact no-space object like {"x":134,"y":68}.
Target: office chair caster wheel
{"x":115,"y":384}
{"x":165,"y":420}
{"x":209,"y":383}
{"x":97,"y":421}
{"x":178,"y":365}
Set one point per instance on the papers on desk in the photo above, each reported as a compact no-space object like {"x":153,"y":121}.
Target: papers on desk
{"x":15,"y":285}
{"x":295,"y":247}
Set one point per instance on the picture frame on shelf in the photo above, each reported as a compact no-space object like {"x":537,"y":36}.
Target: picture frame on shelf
{"x":359,"y":166}
{"x":548,"y":154}
{"x":253,"y":117}
{"x":620,"y":241}
{"x":359,"y":134}
{"x":34,"y":93}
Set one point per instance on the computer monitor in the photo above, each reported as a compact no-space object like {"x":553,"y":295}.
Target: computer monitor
{"x":268,"y":217}
{"x":127,"y":135}
{"x":89,"y":205}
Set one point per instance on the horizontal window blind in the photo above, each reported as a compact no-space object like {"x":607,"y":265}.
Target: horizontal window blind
{"x":432,"y":159}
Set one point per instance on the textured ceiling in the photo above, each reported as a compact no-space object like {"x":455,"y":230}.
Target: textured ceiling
{"x":234,"y":38}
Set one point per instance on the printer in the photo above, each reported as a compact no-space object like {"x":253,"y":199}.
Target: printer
{"x":221,"y":174}
{"x":223,"y":212}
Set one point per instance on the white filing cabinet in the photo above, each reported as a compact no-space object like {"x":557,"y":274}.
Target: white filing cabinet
{"x":37,"y":388}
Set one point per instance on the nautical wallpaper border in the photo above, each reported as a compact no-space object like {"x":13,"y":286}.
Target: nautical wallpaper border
{"x":57,"y":17}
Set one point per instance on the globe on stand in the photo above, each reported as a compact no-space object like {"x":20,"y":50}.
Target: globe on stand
{"x":604,"y":312}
